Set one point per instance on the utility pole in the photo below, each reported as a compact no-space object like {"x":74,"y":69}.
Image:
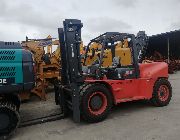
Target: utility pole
{"x":168,"y":49}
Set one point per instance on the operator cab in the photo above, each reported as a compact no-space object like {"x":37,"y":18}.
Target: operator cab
{"x":117,"y":70}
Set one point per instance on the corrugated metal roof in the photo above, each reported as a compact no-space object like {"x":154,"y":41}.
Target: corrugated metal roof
{"x":175,"y":32}
{"x":159,"y":43}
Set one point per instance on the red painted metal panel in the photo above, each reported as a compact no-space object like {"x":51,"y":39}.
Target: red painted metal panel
{"x":136,"y":89}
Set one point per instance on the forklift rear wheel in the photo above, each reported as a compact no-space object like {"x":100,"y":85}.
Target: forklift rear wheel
{"x":162,"y":93}
{"x":96,"y":102}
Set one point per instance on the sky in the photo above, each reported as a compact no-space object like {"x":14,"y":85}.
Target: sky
{"x":40,"y":18}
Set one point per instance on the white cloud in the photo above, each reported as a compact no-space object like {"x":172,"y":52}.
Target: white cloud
{"x":43,"y":17}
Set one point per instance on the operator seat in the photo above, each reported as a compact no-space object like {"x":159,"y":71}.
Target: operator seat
{"x":119,"y":72}
{"x":112,"y":73}
{"x":46,"y":58}
{"x":116,"y":62}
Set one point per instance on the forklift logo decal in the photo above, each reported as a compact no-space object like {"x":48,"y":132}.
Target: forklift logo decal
{"x":129,"y":72}
{"x":3,"y":81}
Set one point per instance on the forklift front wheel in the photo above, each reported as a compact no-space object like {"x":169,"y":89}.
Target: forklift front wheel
{"x":96,"y":102}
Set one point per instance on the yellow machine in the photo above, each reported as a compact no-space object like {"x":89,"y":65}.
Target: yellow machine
{"x":46,"y":63}
{"x":121,"y":50}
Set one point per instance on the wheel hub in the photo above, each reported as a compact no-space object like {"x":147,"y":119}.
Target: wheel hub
{"x":96,"y":102}
{"x":163,"y":93}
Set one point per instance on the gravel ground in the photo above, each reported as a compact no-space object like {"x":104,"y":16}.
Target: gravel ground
{"x":128,"y":121}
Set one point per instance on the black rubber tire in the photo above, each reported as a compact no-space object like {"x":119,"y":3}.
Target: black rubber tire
{"x":14,"y":119}
{"x":86,"y":92}
{"x":155,"y":98}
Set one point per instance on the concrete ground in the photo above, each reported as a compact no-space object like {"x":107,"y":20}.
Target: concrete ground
{"x":128,"y":121}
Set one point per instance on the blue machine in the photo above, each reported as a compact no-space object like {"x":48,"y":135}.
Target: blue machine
{"x":16,"y":75}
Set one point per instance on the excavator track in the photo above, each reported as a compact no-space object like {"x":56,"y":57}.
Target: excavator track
{"x":9,"y":119}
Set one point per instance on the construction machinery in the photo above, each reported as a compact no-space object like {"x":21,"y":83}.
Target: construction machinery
{"x":16,"y":76}
{"x":91,"y":91}
{"x":46,"y":53}
{"x":46,"y":63}
{"x":121,"y":49}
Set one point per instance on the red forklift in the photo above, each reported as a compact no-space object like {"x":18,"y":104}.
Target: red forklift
{"x":91,"y":91}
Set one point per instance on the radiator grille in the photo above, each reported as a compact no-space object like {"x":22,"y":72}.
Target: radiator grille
{"x":7,"y":74}
{"x":7,"y":52}
{"x":11,"y":64}
{"x":7,"y":69}
{"x":7,"y":55}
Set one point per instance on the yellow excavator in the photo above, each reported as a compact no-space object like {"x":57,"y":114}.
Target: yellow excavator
{"x":46,"y":64}
{"x":121,"y":49}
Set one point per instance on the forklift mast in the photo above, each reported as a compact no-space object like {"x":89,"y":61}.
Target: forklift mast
{"x":70,"y":40}
{"x":71,"y":72}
